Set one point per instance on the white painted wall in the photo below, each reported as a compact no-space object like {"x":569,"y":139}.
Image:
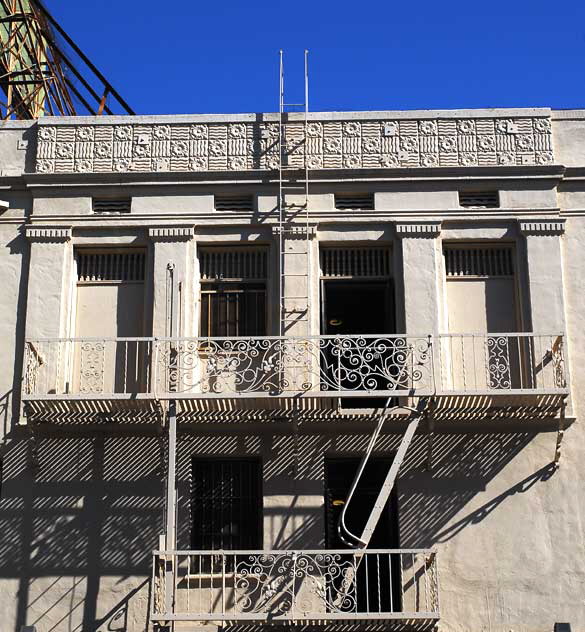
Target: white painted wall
{"x":78,"y":527}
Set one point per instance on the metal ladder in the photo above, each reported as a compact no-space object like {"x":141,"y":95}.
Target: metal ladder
{"x":293,"y":217}
{"x":362,"y":541}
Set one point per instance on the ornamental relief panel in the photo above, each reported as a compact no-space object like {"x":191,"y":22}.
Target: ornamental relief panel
{"x":325,"y":145}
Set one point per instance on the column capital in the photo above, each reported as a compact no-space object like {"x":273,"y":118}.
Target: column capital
{"x":421,"y":229}
{"x":295,"y":231}
{"x":171,"y":233}
{"x":539,"y":226}
{"x":54,"y":234}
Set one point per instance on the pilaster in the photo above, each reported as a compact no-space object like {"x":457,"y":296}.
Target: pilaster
{"x":420,"y":265}
{"x":173,"y":248}
{"x":49,"y":284}
{"x":298,"y":257}
{"x":545,"y":273}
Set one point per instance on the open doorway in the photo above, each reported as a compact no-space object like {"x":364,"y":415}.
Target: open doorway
{"x":353,"y":308}
{"x":385,"y":571}
{"x":357,"y":307}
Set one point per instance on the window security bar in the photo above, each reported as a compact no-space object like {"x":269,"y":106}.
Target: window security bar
{"x":234,"y":203}
{"x":220,"y":264}
{"x":479,"y":261}
{"x":355,"y":201}
{"x":355,"y":263}
{"x":111,"y":205}
{"x":479,"y":199}
{"x":96,"y":267}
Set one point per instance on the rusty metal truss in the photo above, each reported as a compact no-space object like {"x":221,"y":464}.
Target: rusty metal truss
{"x":43,"y":72}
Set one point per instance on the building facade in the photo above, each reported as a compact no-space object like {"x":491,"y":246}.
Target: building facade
{"x":313,"y":371}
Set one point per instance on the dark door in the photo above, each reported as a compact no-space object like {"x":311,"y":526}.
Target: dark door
{"x":354,"y":308}
{"x":378,"y":586}
{"x":357,"y":307}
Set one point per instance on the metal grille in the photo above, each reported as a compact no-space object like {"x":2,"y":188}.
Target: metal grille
{"x":111,"y":206}
{"x":234,"y":203}
{"x":479,"y":199}
{"x":236,"y":310}
{"x":226,"y":504}
{"x":110,"y":266}
{"x":235,"y":264}
{"x":479,"y":261}
{"x":357,"y":201}
{"x":355,"y":263}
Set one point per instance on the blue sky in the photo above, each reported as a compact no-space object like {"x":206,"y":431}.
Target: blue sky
{"x":188,"y":56}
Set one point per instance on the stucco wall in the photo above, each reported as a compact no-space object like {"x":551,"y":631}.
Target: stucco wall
{"x":82,"y":508}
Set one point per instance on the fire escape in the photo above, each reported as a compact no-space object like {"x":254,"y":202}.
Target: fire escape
{"x":423,"y":379}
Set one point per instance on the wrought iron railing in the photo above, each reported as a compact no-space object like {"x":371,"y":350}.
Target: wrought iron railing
{"x":501,"y":362}
{"x":230,"y":367}
{"x":320,"y":366}
{"x":318,"y":585}
{"x":113,"y":367}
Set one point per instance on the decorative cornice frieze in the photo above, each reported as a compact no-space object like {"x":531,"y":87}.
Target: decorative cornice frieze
{"x":542,"y":226}
{"x":418,"y":229}
{"x":48,"y":233}
{"x":171,"y":233}
{"x":350,"y":143}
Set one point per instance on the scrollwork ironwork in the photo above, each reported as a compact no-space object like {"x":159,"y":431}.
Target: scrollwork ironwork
{"x":273,"y":366}
{"x":498,"y":362}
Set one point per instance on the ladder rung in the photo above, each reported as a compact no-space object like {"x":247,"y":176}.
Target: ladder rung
{"x":289,"y":105}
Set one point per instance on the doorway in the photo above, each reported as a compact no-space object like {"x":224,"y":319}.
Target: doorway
{"x":357,"y":307}
{"x":354,"y":308}
{"x":378,"y":587}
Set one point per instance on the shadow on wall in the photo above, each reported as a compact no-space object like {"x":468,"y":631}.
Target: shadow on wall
{"x":463,"y":466}
{"x":429,"y":500}
{"x":80,"y":514}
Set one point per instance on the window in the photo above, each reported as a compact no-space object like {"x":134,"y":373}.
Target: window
{"x":482,"y":314}
{"x":479,"y":261}
{"x":124,"y":266}
{"x":109,"y":305}
{"x":234,"y":203}
{"x":226,"y":504}
{"x":479,"y":199}
{"x":233,"y":292}
{"x":352,"y":263}
{"x":111,"y":205}
{"x":355,"y":201}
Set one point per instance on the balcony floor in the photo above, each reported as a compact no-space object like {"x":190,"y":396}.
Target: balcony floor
{"x":140,"y":408}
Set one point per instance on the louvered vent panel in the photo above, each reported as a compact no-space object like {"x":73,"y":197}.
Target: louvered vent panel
{"x":357,"y":201}
{"x":110,"y":266}
{"x":111,"y":206}
{"x":234,"y":203}
{"x":480,"y":261}
{"x":355,"y":262}
{"x":236,"y":263}
{"x":479,"y":199}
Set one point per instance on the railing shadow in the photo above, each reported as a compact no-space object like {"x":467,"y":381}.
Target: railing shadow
{"x":80,"y":516}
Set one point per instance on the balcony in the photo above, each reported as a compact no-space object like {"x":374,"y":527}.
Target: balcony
{"x":296,"y":586}
{"x":117,"y":375}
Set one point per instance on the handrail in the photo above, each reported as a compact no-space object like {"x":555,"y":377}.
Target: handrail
{"x":363,"y":365}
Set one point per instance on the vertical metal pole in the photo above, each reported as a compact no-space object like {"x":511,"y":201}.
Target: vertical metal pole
{"x":281,"y":314}
{"x":307,"y":236}
{"x":171,"y":504}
